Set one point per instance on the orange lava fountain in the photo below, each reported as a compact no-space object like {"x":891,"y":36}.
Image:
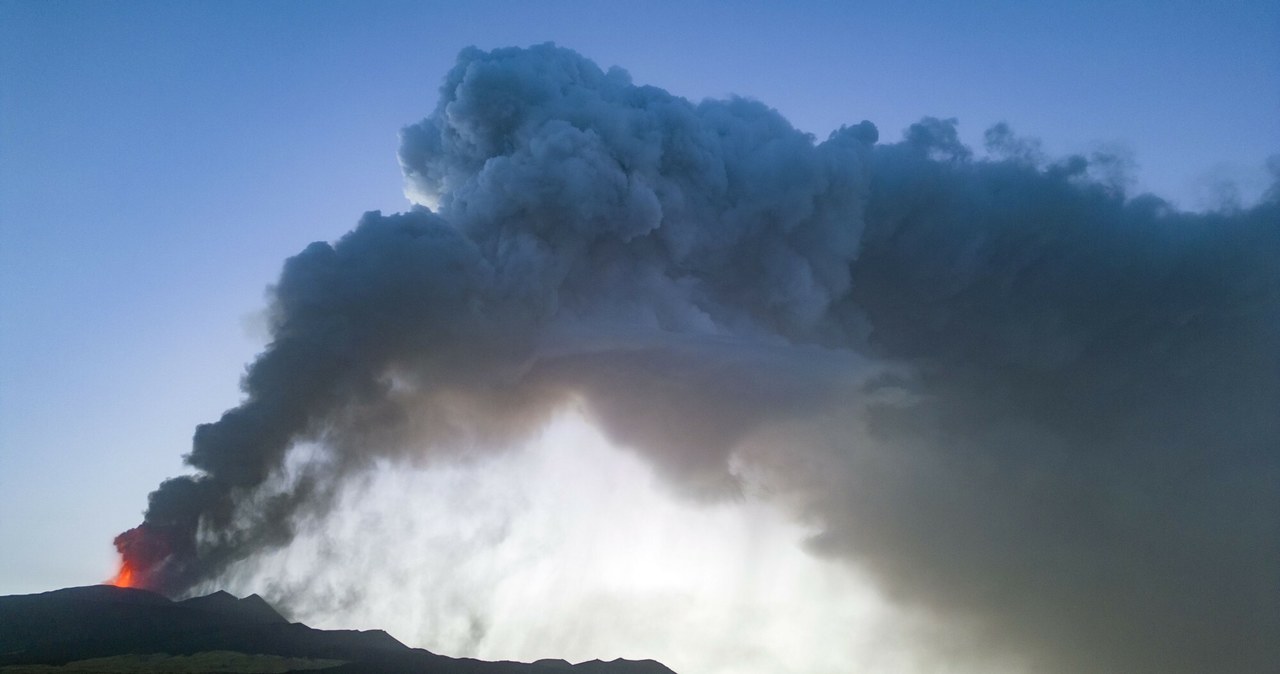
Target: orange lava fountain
{"x":124,"y":578}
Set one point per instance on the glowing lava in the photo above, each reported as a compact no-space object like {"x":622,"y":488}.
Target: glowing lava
{"x":124,"y":578}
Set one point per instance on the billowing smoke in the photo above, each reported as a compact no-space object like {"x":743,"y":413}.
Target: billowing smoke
{"x":1010,"y":393}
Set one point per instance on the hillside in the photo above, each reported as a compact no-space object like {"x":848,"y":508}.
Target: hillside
{"x":103,"y":628}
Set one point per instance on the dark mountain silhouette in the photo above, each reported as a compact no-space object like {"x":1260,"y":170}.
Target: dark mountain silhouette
{"x":250,"y":609}
{"x":83,"y":623}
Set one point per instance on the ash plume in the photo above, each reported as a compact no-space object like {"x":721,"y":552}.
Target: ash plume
{"x":1014,"y":395}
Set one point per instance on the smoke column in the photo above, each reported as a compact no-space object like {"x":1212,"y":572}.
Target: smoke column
{"x":1007,"y":391}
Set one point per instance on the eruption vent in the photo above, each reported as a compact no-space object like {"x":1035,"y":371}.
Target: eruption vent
{"x":124,"y":578}
{"x":1011,"y":394}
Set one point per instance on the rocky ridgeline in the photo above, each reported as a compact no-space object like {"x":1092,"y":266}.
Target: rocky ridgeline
{"x":87,"y":628}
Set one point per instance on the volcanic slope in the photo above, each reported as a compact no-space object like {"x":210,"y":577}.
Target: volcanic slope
{"x":107,"y":628}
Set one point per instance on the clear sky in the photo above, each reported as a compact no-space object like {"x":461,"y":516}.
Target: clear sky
{"x":158,"y":161}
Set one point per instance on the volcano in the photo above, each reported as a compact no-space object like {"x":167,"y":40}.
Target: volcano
{"x":121,"y":629}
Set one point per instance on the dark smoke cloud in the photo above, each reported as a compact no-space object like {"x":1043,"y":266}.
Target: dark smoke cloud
{"x":1017,"y":397}
{"x":1088,"y":458}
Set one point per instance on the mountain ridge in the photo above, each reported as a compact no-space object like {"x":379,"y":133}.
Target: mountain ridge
{"x":76,"y":624}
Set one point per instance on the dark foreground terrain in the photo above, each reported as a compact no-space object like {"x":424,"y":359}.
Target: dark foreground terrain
{"x":103,"y":628}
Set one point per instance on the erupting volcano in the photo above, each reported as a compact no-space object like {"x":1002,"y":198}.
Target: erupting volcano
{"x":995,"y":384}
{"x":147,"y":559}
{"x":124,"y":578}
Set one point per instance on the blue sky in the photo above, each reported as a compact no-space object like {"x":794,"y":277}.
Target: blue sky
{"x":159,"y":161}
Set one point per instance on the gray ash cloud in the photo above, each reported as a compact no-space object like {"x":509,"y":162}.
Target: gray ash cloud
{"x":1013,"y":394}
